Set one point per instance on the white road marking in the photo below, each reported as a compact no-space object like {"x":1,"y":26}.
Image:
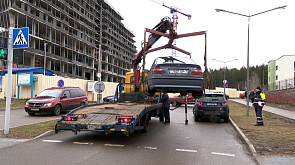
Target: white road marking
{"x":184,"y":150}
{"x":114,"y":145}
{"x":83,"y":143}
{"x":151,"y":148}
{"x":52,"y":141}
{"x":216,"y":153}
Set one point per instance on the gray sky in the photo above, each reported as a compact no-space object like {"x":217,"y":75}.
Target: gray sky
{"x":272,"y":34}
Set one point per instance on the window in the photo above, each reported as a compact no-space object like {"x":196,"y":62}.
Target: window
{"x":277,"y":67}
{"x":67,"y":93}
{"x":277,"y":77}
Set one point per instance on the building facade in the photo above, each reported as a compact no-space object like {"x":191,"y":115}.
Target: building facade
{"x":281,"y":72}
{"x":68,"y":36}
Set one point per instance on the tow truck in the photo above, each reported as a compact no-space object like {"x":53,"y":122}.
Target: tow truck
{"x":134,"y":108}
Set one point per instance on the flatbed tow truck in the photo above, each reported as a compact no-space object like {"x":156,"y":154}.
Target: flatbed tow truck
{"x":133,"y":110}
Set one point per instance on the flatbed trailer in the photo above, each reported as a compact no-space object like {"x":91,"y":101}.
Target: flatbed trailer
{"x":107,"y":118}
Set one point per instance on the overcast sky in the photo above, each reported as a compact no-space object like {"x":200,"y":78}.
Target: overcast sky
{"x":272,"y":34}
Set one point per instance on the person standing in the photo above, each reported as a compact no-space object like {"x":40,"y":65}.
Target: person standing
{"x":166,"y":106}
{"x":259,"y":102}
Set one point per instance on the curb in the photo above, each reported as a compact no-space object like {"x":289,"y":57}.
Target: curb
{"x":247,"y":142}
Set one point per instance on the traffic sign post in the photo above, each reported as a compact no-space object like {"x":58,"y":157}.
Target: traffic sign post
{"x":99,"y":87}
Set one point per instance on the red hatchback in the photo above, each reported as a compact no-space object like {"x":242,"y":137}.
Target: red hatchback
{"x":54,"y":100}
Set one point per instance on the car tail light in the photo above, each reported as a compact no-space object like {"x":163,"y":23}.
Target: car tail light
{"x":157,"y":70}
{"x":197,"y":72}
{"x":200,"y":103}
{"x":125,"y":119}
{"x":223,"y":104}
{"x":70,"y":118}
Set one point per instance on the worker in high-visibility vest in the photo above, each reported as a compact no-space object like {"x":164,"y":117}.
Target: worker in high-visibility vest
{"x":258,"y":104}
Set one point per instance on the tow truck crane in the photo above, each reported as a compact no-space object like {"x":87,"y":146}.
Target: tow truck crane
{"x":156,"y":33}
{"x":127,"y":117}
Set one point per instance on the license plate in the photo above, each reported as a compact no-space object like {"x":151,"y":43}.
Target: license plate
{"x":178,"y":71}
{"x":34,"y":109}
{"x":211,"y":103}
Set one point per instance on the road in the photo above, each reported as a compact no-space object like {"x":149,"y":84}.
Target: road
{"x":196,"y":143}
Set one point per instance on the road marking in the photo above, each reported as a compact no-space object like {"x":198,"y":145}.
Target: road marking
{"x":114,"y":145}
{"x":83,"y":143}
{"x":216,"y":153}
{"x":150,"y":148}
{"x":52,"y":141}
{"x":184,"y":150}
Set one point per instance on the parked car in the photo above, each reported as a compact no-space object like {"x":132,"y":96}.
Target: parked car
{"x":55,"y":100}
{"x":110,"y":99}
{"x":174,"y":74}
{"x":243,"y":95}
{"x":180,"y":99}
{"x":212,"y":104}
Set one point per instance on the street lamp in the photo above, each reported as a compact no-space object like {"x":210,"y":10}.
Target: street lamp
{"x":249,"y":16}
{"x":224,"y":62}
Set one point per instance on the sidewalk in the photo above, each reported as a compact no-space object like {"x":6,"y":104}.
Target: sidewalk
{"x":266,"y":160}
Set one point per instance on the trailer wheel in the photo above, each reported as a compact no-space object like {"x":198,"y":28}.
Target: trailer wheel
{"x":145,"y":122}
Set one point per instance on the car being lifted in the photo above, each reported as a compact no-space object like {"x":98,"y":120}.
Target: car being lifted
{"x":174,"y":74}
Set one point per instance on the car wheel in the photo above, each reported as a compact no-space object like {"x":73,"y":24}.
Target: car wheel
{"x":174,"y":104}
{"x":226,"y":118}
{"x":32,"y":114}
{"x":82,"y":104}
{"x":197,"y":118}
{"x":56,"y":110}
{"x":197,"y":94}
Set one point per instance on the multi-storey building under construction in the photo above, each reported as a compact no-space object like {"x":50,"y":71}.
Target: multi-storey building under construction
{"x":67,"y":36}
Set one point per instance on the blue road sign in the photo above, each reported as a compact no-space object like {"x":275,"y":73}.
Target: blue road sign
{"x":20,"y":38}
{"x":60,"y":83}
{"x":224,"y":85}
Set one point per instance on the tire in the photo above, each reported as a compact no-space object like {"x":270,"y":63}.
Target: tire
{"x":226,"y":119}
{"x":145,"y":122}
{"x":56,"y":110}
{"x":31,"y":114}
{"x":174,"y":104}
{"x":197,"y":118}
{"x":82,"y":104}
{"x":197,"y":94}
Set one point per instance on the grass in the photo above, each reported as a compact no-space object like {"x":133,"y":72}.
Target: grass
{"x":274,"y":138}
{"x":29,"y":131}
{"x":14,"y":103}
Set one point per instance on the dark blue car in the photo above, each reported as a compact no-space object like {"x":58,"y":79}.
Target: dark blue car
{"x":212,"y":104}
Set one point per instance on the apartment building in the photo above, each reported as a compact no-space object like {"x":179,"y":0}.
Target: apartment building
{"x":66,"y":36}
{"x":281,"y":72}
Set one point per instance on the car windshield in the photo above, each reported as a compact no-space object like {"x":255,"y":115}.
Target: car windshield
{"x":174,"y":60}
{"x":50,"y":93}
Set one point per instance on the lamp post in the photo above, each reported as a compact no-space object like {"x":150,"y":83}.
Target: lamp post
{"x":249,"y":16}
{"x":224,"y":62}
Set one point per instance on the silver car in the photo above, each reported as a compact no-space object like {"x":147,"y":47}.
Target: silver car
{"x":174,"y":74}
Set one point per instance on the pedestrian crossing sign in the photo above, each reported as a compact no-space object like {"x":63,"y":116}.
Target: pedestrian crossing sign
{"x":20,"y":38}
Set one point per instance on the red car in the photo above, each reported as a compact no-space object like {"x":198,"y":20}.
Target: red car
{"x":178,"y":100}
{"x":55,"y":100}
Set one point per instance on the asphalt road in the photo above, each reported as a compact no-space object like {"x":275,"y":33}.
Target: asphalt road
{"x":196,"y":143}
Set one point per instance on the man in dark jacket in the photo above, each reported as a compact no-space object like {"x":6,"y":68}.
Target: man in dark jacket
{"x":166,"y":106}
{"x":259,"y":102}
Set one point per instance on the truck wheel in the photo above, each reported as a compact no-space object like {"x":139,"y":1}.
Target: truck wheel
{"x":56,"y":110}
{"x":145,"y":123}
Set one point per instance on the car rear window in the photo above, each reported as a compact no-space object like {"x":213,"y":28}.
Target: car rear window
{"x":77,"y":92}
{"x":174,"y":60}
{"x":213,"y":95}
